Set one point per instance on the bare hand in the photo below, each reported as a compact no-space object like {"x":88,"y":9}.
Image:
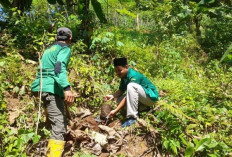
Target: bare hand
{"x":112,"y":113}
{"x":69,"y":97}
{"x":108,"y":97}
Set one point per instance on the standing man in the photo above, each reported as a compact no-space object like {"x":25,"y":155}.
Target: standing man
{"x":138,"y":89}
{"x":56,"y":89}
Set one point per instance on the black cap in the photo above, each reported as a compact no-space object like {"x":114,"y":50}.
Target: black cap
{"x":63,"y":33}
{"x":120,"y":61}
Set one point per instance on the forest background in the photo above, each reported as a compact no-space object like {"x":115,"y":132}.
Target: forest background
{"x":183,"y":47}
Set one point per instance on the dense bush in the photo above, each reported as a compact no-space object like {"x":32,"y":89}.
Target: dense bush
{"x":194,"y":113}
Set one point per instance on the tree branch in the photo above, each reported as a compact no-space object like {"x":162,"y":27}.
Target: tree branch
{"x":6,"y":4}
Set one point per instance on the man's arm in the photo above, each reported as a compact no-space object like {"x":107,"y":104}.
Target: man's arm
{"x":119,"y":107}
{"x":61,"y":72}
{"x":117,"y":94}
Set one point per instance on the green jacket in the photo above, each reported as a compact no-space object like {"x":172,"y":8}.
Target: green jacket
{"x":136,"y":77}
{"x":54,"y":70}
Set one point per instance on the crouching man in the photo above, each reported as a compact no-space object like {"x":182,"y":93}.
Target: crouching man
{"x":138,"y":90}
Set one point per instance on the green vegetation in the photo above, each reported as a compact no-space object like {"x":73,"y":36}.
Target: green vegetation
{"x":179,"y":45}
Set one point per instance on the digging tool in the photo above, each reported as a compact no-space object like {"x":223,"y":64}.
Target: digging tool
{"x":67,"y":111}
{"x":107,"y":119}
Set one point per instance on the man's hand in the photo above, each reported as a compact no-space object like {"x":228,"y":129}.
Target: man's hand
{"x":108,"y":97}
{"x":112,"y":113}
{"x":69,"y":97}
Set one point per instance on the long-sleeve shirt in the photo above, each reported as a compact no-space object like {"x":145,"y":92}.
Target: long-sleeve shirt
{"x":54,"y":70}
{"x":136,"y":77}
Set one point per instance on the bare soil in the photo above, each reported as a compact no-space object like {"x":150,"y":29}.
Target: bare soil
{"x":13,"y":108}
{"x":134,"y":141}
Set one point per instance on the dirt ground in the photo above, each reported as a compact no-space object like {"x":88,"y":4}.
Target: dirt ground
{"x":106,"y":138}
{"x":103,"y":139}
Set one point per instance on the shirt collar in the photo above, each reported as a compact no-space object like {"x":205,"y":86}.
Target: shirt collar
{"x":128,"y":73}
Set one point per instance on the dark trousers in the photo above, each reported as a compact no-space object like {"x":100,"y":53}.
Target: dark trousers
{"x":55,"y":109}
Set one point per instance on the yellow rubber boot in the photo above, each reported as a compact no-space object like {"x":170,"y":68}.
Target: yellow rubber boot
{"x":55,"y":148}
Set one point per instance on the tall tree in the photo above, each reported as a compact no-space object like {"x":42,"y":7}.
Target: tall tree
{"x":20,"y":4}
{"x":82,"y":9}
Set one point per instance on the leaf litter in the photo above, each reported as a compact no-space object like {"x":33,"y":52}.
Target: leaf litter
{"x":88,"y":136}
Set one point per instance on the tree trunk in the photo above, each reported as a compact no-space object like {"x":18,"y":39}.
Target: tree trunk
{"x":70,"y":6}
{"x":197,"y":24}
{"x":115,"y":18}
{"x":86,"y":29}
{"x":137,"y":21}
{"x":5,"y":3}
{"x":22,"y":4}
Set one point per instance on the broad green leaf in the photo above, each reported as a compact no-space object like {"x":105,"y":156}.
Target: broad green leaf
{"x":120,"y":44}
{"x":212,"y":155}
{"x":2,"y":63}
{"x":95,"y":57}
{"x":201,"y":144}
{"x":24,"y":155}
{"x":200,"y":118}
{"x":16,"y":89}
{"x":35,"y":48}
{"x":11,"y":132}
{"x":27,"y":137}
{"x":19,"y":143}
{"x":109,"y":34}
{"x":124,"y":11}
{"x":22,"y":92}
{"x":166,"y":144}
{"x":17,"y":22}
{"x":189,"y":150}
{"x":227,"y":52}
{"x":36,"y":138}
{"x":97,"y":39}
{"x":191,"y":126}
{"x":203,"y":2}
{"x":195,"y":141}
{"x":19,"y":12}
{"x":51,"y":39}
{"x":80,"y":8}
{"x":22,"y":131}
{"x":105,"y":40}
{"x":174,"y":146}
{"x":212,"y":145}
{"x":223,"y":145}
{"x":98,"y":10}
{"x":40,"y":43}
{"x":182,"y":139}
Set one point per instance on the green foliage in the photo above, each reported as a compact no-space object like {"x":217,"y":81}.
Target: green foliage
{"x":16,"y":80}
{"x":5,"y":3}
{"x":8,"y":5}
{"x":15,"y":142}
{"x":87,"y":75}
{"x":126,"y":12}
{"x":60,"y":2}
{"x":197,"y":101}
{"x":174,"y":48}
{"x":79,"y":154}
{"x":98,"y":10}
{"x":205,"y":146}
{"x":216,"y":42}
{"x":51,"y":1}
{"x":72,"y":22}
{"x":107,"y":43}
